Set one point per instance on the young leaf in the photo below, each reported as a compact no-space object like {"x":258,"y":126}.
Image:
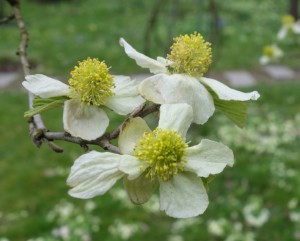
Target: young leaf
{"x":41,"y":105}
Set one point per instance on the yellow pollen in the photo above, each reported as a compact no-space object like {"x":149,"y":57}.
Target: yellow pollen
{"x":163,"y":153}
{"x":190,"y":54}
{"x":288,"y":19}
{"x":268,"y":51}
{"x":91,"y":82}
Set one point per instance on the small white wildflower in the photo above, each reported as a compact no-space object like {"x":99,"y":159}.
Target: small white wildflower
{"x":295,"y":216}
{"x":123,"y":230}
{"x":90,"y":206}
{"x":175,"y":237}
{"x":245,"y":236}
{"x":271,"y":53}
{"x":61,"y":232}
{"x":4,"y":239}
{"x":292,"y":204}
{"x":217,"y":227}
{"x":181,"y":225}
{"x":289,"y":26}
{"x":255,"y":215}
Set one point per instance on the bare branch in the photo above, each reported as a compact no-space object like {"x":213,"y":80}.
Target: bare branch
{"x":103,"y":141}
{"x":7,"y":19}
{"x":36,"y":124}
{"x":141,"y":113}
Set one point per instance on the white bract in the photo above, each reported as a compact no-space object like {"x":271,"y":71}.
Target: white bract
{"x":179,"y":80}
{"x":149,"y":158}
{"x":289,"y":26}
{"x":91,"y":88}
{"x":271,"y":53}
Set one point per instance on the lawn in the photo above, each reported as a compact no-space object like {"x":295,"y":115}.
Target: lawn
{"x":65,"y":32}
{"x":256,"y":199}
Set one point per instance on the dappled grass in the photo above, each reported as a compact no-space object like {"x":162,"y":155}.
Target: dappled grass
{"x":34,"y":199}
{"x":65,"y":32}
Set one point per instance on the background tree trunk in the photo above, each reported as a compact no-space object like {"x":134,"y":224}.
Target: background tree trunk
{"x":294,"y":8}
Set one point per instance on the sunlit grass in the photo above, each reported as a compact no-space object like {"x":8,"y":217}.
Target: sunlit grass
{"x":32,"y":181}
{"x":65,"y":32}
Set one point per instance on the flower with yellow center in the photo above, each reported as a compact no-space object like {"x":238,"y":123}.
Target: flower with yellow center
{"x":289,"y":26}
{"x":190,"y":54}
{"x":151,"y":158}
{"x":91,"y":82}
{"x":271,"y":53}
{"x":163,"y":152}
{"x":90,"y":88}
{"x":178,"y":79}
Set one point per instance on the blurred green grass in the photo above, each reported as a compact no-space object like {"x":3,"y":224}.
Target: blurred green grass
{"x":32,"y":181}
{"x":65,"y":32}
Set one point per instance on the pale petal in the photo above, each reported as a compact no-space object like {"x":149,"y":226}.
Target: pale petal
{"x":45,"y":86}
{"x":142,"y":60}
{"x":226,"y":93}
{"x":177,"y":117}
{"x":131,"y":133}
{"x":81,"y":120}
{"x":208,"y":157}
{"x":184,"y":196}
{"x":264,"y":60}
{"x":140,"y":189}
{"x":164,"y":61}
{"x":172,"y":89}
{"x":123,"y":105}
{"x":282,"y":33}
{"x":296,"y":27}
{"x":131,"y":166}
{"x":125,"y":86}
{"x":94,"y":173}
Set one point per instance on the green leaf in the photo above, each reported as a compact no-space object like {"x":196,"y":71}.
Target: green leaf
{"x":38,"y":101}
{"x":140,"y":189}
{"x":234,"y":110}
{"x":41,"y":105}
{"x":207,"y":180}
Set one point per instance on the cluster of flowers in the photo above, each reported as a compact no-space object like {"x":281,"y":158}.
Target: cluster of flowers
{"x":148,"y":158}
{"x":290,"y":29}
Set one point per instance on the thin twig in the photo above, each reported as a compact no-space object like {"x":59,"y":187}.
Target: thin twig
{"x":7,"y":19}
{"x":36,"y":124}
{"x":105,"y":140}
{"x":142,"y":113}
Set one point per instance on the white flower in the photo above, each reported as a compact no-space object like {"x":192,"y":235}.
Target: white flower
{"x":172,"y":83}
{"x":271,"y":53}
{"x":217,"y":227}
{"x":91,"y":88}
{"x":150,"y":158}
{"x":289,"y":25}
{"x":255,"y":215}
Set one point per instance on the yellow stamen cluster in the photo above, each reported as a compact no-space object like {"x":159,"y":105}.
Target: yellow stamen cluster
{"x":163,"y":152}
{"x":288,"y":19}
{"x":190,"y":54}
{"x":91,"y":82}
{"x":268,"y":51}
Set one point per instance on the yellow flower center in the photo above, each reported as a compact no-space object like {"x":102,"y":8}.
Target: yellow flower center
{"x":268,"y":51}
{"x":163,"y":152}
{"x":91,"y":82}
{"x":288,"y":19}
{"x":190,"y":54}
